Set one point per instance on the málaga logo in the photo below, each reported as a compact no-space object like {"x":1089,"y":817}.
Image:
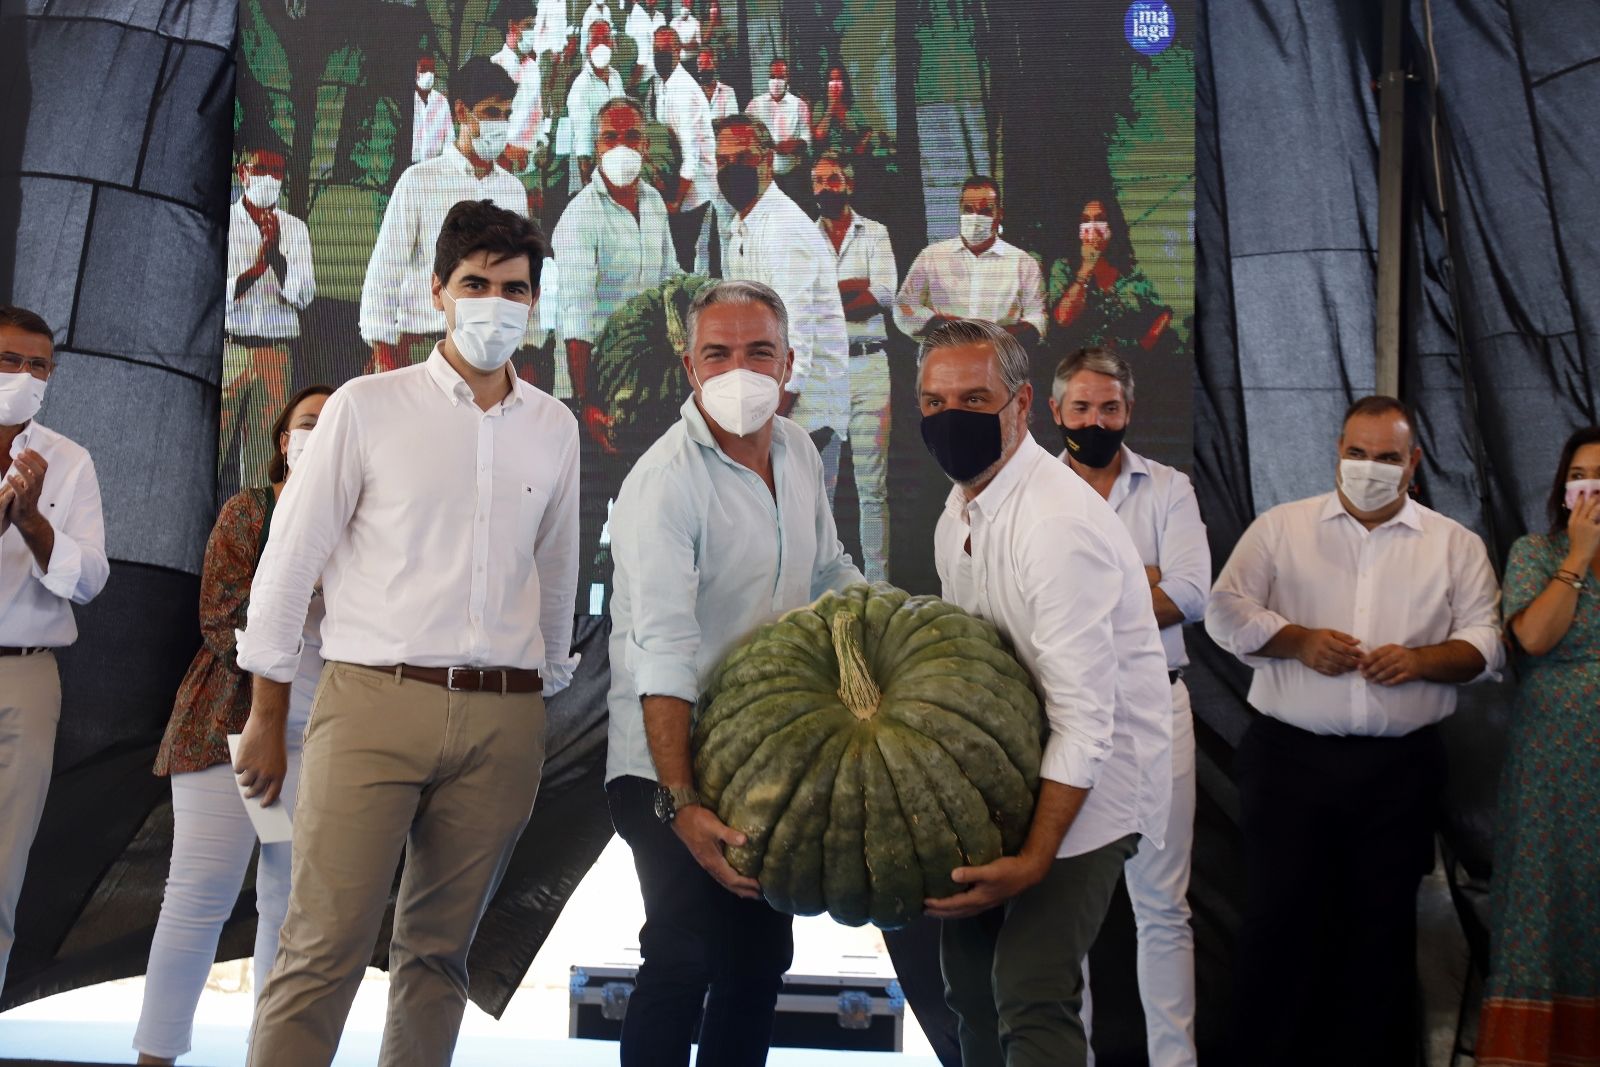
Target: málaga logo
{"x":1149,"y":26}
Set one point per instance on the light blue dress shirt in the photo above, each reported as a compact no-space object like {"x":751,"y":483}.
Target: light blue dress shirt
{"x":704,"y":554}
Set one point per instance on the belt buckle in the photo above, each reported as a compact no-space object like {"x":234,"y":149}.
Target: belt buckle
{"x":450,"y":679}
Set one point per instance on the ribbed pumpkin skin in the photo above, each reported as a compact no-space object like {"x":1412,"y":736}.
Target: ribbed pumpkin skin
{"x":864,"y":818}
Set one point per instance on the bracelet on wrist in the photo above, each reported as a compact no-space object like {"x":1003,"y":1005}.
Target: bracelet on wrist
{"x":1566,"y":577}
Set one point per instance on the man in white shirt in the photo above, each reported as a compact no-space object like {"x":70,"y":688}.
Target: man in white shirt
{"x":430,"y":115}
{"x":439,"y":505}
{"x":593,"y":86}
{"x":788,"y":119}
{"x":1092,"y":403}
{"x":52,"y":555}
{"x":687,"y":113}
{"x":519,"y":58}
{"x":1361,"y":611}
{"x":611,"y":244}
{"x":597,"y":11}
{"x":398,"y":319}
{"x":721,"y":526}
{"x":865,"y":265}
{"x":550,"y":27}
{"x":644,"y":19}
{"x":976,"y":275}
{"x":686,"y":26}
{"x":270,"y":283}
{"x":718,"y":94}
{"x":771,"y":241}
{"x":1026,"y":544}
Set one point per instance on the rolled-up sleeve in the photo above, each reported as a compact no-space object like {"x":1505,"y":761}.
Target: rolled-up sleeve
{"x":78,"y":567}
{"x":555,"y":559}
{"x":307,"y":525}
{"x":1073,"y":583}
{"x":300,"y":287}
{"x":1475,"y":602}
{"x":912,"y":312}
{"x":881,"y":277}
{"x":576,"y":251}
{"x":1184,"y":554}
{"x":655,"y":543}
{"x":1237,"y":617}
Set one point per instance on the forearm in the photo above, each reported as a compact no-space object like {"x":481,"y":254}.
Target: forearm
{"x":1070,"y":306}
{"x":269,"y":703}
{"x":1285,"y":644}
{"x":1167,"y":613}
{"x":1451,"y":663}
{"x":40,"y":537}
{"x":1053,"y":814}
{"x":1542,"y":624}
{"x":666,"y":727}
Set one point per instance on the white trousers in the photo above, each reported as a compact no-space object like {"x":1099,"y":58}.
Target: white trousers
{"x":212,"y":841}
{"x":1158,"y":886}
{"x":869,"y":456}
{"x":30,"y":707}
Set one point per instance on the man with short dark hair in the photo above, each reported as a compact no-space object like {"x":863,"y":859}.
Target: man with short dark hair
{"x":52,"y":555}
{"x":520,"y":60}
{"x":438,"y":504}
{"x":596,"y":83}
{"x":1361,"y":611}
{"x":683,"y":107}
{"x":398,"y":317}
{"x":788,"y":118}
{"x":721,"y":526}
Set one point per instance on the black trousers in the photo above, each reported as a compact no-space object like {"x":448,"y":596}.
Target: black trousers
{"x":701,"y":946}
{"x":685,"y":227}
{"x":1338,"y":832}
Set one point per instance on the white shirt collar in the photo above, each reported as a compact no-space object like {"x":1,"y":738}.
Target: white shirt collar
{"x":1000,"y":488}
{"x":1408,"y":515}
{"x":455,"y":387}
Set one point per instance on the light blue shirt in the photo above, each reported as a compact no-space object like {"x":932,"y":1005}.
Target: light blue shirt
{"x":704,"y":554}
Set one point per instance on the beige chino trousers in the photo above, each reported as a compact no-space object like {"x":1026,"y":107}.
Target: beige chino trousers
{"x":30,"y":707}
{"x":389,"y":765}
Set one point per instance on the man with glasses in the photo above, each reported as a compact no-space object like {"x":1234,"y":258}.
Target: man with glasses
{"x":52,"y":555}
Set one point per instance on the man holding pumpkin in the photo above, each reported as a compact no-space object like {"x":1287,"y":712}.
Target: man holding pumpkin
{"x":722,"y":525}
{"x":1027,"y":544}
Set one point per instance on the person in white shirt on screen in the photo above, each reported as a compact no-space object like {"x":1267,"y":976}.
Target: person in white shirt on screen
{"x":593,"y":86}
{"x":439,"y":505}
{"x":52,"y":556}
{"x":597,"y":11}
{"x":788,"y":118}
{"x":687,"y":113}
{"x":430,"y":115}
{"x":771,"y":241}
{"x":687,"y":26}
{"x":269,"y":283}
{"x":1092,"y":403}
{"x":976,"y":275}
{"x":397,"y":319}
{"x":1028,"y":545}
{"x":867,"y":282}
{"x":1361,"y":611}
{"x":550,"y":27}
{"x":611,"y":244}
{"x":520,"y":59}
{"x":718,"y":94}
{"x":644,"y":19}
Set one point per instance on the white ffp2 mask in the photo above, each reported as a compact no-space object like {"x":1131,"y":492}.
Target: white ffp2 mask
{"x":488,"y":329}
{"x":1580,"y":488}
{"x":21,"y":394}
{"x":976,"y":229}
{"x":491,"y":139}
{"x":740,"y":401}
{"x":1368,"y":485}
{"x":262,"y":190}
{"x":621,"y":165}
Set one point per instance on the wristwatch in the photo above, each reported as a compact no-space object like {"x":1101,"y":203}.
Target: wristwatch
{"x":671,"y":801}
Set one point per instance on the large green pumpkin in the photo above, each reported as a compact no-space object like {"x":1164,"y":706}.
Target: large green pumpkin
{"x":867,"y":746}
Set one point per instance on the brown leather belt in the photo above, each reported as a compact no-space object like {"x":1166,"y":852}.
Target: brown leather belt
{"x":470,"y":679}
{"x":20,"y":651}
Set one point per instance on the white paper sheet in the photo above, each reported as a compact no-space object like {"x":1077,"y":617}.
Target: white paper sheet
{"x":271,"y":824}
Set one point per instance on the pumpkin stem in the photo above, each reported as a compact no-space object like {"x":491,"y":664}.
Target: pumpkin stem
{"x":856,"y":687}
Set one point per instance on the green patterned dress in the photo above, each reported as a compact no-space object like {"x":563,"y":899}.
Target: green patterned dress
{"x":1117,"y":318}
{"x":1542,"y":1003}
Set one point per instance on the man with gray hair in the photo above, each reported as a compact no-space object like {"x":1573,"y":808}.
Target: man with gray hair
{"x":1026,"y":544}
{"x":1091,"y":402}
{"x":721,"y":526}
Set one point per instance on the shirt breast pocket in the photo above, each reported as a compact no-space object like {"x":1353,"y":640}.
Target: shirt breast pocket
{"x":531,"y":504}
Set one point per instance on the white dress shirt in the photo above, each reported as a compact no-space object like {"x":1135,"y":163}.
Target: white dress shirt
{"x":778,"y":245}
{"x":527,"y":107}
{"x":1419,"y":579}
{"x":723,"y":101}
{"x":271,"y":307}
{"x":704,"y":554}
{"x":1053,"y":568}
{"x":866,"y":253}
{"x":606,"y":257}
{"x":445,"y":535}
{"x":683,"y":106}
{"x":36,"y":605}
{"x":1003,"y":285}
{"x":687,"y":27}
{"x":396,"y":296}
{"x":642,"y":26}
{"x":1157,"y":505}
{"x":588,"y":92}
{"x":786,"y":119}
{"x":550,"y":27}
{"x":430,"y":125}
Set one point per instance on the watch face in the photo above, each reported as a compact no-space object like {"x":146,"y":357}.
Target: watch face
{"x":664,"y":809}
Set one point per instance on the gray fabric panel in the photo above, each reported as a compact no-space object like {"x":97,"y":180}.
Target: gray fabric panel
{"x":189,"y":20}
{"x":50,"y":247}
{"x":194,"y":83}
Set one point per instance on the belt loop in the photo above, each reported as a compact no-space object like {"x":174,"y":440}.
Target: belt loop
{"x":505,"y":681}
{"x":398,"y":668}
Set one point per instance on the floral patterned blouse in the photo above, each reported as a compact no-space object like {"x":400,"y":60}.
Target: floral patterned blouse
{"x":214,"y":699}
{"x":1118,"y":317}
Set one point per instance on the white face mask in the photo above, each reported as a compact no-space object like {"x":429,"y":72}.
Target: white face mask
{"x":976,"y":229}
{"x":488,"y":329}
{"x":621,"y":165}
{"x":296,"y":445}
{"x":20,"y":396}
{"x":1370,"y":486}
{"x":1097,"y":232}
{"x":740,"y":401}
{"x":491,"y":139}
{"x":777,"y":87}
{"x":262,"y":189}
{"x":425,"y":80}
{"x":1582,"y":487}
{"x":600,"y":56}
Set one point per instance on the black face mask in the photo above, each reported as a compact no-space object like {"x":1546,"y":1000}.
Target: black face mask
{"x":1093,"y":446}
{"x":665,"y":61}
{"x":707,"y":77}
{"x":966,"y":443}
{"x":832,"y":203}
{"x":740,"y":183}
